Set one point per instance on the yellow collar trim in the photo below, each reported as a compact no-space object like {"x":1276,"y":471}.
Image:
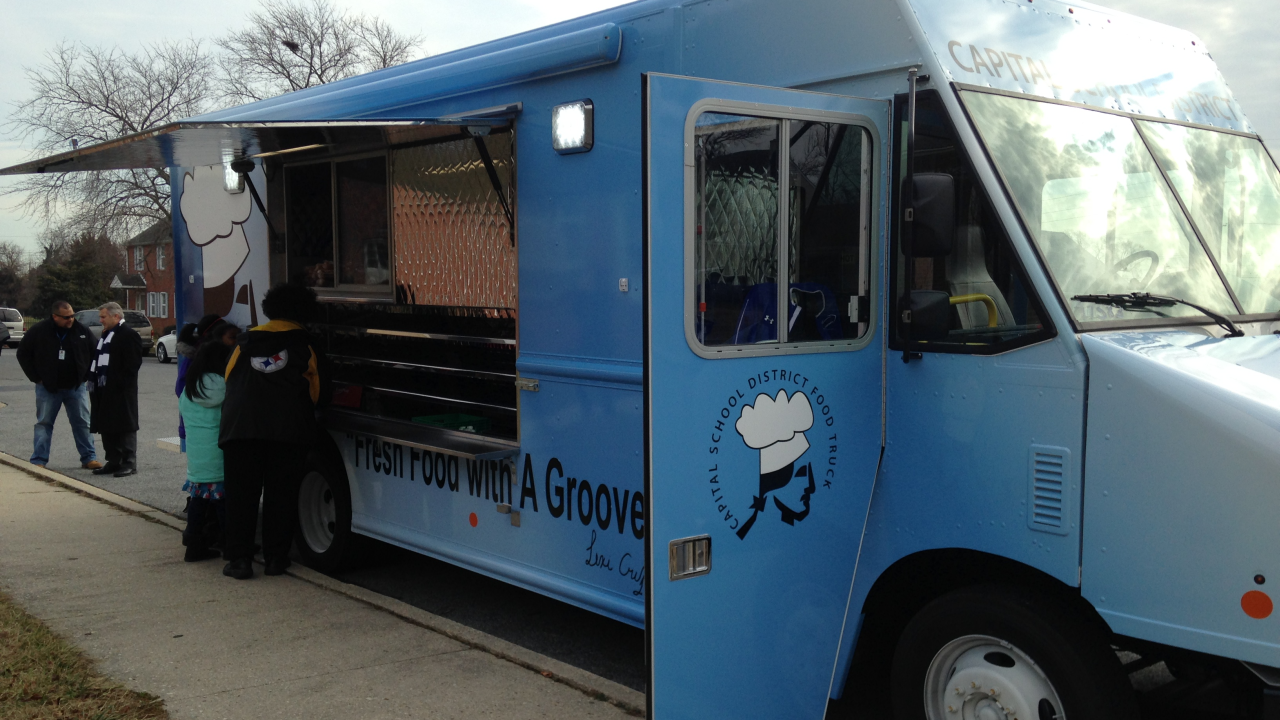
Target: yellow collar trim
{"x":278,"y":326}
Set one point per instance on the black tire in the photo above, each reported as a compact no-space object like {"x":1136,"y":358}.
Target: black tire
{"x":161,"y":354}
{"x":324,"y":538}
{"x":1064,"y":650}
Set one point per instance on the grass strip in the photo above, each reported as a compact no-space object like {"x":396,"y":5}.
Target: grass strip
{"x":43,"y":677}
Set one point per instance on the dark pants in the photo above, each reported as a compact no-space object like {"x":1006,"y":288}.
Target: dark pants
{"x":200,"y":511}
{"x":272,"y":471}
{"x":121,"y":449}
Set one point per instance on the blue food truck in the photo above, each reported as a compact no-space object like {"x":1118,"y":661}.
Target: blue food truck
{"x":1008,"y":432}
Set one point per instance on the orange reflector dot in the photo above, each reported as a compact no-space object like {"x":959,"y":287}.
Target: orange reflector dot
{"x":476,"y":521}
{"x":1256,"y":604}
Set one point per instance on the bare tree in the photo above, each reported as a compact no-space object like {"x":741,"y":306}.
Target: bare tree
{"x":383,"y":46}
{"x":290,"y":45}
{"x":84,"y":95}
{"x":13,"y":273}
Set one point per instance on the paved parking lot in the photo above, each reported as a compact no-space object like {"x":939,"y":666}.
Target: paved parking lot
{"x":160,"y":472}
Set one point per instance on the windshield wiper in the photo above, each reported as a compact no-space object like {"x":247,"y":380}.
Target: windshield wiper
{"x":1146,"y":301}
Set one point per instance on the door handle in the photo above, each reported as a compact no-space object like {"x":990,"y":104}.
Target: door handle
{"x":689,"y":557}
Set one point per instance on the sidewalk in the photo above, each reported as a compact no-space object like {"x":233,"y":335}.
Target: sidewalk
{"x":114,"y":583}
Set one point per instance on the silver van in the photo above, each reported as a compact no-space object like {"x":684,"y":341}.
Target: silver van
{"x":132,"y":318}
{"x":12,"y":319}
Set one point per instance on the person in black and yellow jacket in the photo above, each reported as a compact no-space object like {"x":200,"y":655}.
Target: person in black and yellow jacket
{"x":275,"y":381}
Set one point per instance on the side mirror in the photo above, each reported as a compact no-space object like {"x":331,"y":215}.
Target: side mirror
{"x":935,"y":215}
{"x":930,"y":314}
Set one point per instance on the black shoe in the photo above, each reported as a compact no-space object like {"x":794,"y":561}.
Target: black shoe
{"x":239,"y":569}
{"x":107,"y":469}
{"x":277,"y":567}
{"x":125,"y":472}
{"x":195,"y":554}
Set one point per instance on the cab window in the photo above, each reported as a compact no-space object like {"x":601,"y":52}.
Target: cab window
{"x":778,"y":198}
{"x":968,"y":294}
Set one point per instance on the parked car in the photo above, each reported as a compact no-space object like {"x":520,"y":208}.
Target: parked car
{"x":12,"y":319}
{"x":167,"y":347}
{"x":132,"y":318}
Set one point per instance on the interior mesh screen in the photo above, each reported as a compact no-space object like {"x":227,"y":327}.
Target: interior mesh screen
{"x":452,"y":239}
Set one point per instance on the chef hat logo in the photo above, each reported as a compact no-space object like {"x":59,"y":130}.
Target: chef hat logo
{"x":775,"y":426}
{"x":208,"y":209}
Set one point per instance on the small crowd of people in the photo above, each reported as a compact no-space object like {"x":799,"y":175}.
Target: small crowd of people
{"x":247,"y":404}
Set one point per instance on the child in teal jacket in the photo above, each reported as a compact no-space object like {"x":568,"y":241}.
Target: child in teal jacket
{"x":201,"y":408}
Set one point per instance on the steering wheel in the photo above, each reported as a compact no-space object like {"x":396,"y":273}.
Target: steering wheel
{"x":1151,"y":270}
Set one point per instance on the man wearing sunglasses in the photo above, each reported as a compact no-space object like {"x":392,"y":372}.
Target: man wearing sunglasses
{"x":55,"y":355}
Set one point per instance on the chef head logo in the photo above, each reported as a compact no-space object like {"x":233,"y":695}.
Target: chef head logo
{"x":776,"y":427}
{"x":216,"y":222}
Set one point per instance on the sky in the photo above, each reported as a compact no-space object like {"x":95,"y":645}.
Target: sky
{"x":1240,"y":34}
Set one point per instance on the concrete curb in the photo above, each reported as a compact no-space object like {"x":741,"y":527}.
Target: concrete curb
{"x":591,"y":684}
{"x":597,"y":687}
{"x":130,"y":506}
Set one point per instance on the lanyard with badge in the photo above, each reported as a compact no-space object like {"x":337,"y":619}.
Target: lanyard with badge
{"x":62,"y":352}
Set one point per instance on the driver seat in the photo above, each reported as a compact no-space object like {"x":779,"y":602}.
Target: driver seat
{"x":967,"y":274}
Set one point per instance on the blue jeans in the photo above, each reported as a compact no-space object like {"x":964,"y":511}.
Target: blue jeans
{"x":48,"y":402}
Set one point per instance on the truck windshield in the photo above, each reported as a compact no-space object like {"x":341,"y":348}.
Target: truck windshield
{"x":1101,"y":212}
{"x":1232,"y":190}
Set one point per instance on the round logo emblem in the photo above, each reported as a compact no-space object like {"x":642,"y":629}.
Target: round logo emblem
{"x":773,"y":447}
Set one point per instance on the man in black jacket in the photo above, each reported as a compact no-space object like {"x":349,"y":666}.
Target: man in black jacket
{"x":55,"y":355}
{"x":275,"y":380}
{"x":114,"y":374}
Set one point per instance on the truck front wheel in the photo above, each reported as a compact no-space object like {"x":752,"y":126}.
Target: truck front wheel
{"x":998,"y":653}
{"x":324,"y":538}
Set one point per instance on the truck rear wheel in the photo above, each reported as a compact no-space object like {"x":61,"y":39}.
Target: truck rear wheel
{"x":998,"y":653}
{"x":324,"y":537}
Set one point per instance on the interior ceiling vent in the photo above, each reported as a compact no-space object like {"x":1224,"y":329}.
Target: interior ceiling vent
{"x":1048,"y":501}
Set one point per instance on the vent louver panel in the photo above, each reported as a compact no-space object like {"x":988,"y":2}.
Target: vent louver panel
{"x":1048,"y":494}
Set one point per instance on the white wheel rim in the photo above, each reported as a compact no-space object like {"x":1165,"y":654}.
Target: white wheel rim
{"x":317,"y":513}
{"x":162,"y":351}
{"x":978,"y":677}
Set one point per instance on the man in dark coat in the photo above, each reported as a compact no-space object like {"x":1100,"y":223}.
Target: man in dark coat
{"x":55,"y":354}
{"x":275,"y":380}
{"x":114,"y":375}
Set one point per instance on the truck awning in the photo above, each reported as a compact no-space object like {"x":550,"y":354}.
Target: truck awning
{"x":194,"y":144}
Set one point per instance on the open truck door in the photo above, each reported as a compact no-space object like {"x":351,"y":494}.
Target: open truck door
{"x":765,"y":400}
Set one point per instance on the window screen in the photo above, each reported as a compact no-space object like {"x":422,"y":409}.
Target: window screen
{"x":740,"y":251}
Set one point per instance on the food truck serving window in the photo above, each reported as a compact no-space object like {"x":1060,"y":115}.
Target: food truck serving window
{"x":338,"y":223}
{"x":745,"y":237}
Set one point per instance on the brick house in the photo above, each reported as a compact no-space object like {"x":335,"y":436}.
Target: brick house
{"x":149,"y":256}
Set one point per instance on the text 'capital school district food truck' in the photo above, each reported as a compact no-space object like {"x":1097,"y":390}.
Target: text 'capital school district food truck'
{"x":916,"y":357}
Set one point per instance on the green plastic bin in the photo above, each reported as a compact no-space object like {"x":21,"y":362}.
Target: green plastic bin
{"x":456,"y":421}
